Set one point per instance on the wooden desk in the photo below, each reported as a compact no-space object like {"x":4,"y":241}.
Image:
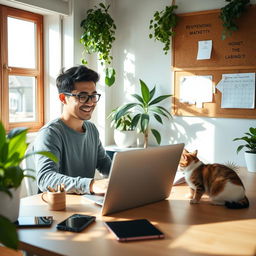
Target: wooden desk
{"x":201,"y":229}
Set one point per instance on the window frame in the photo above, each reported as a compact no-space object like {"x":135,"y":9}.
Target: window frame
{"x":5,"y":70}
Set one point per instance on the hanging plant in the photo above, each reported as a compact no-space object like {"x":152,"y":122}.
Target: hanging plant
{"x":162,"y":26}
{"x":98,"y":36}
{"x":229,"y":15}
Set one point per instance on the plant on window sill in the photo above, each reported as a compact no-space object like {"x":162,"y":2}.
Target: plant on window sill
{"x":98,"y":36}
{"x":162,"y":25}
{"x":229,"y":15}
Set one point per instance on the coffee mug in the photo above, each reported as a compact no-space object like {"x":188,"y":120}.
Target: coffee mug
{"x":55,"y":200}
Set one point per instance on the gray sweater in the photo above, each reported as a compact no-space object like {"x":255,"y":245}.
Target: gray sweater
{"x":79,"y":154}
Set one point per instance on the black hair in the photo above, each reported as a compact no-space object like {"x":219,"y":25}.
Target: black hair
{"x":66,"y":80}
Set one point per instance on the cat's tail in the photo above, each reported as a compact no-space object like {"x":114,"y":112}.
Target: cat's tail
{"x":243,"y":203}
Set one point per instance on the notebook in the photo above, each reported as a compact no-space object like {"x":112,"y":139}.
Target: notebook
{"x":139,"y":177}
{"x":130,"y":230}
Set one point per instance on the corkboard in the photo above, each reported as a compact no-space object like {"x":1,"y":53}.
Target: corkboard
{"x":238,"y":50}
{"x":236,"y":54}
{"x":211,"y":109}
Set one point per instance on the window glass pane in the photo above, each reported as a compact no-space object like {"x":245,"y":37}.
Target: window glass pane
{"x":21,"y":43}
{"x":22,"y":95}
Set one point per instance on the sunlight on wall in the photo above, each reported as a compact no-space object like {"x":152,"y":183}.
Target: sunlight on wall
{"x":100,"y":113}
{"x":52,"y":46}
{"x":198,"y":134}
{"x":129,"y":72}
{"x":54,"y":53}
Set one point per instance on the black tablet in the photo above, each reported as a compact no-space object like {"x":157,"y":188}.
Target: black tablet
{"x":134,"y":230}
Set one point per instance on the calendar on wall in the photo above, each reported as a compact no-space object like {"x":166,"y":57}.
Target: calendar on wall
{"x":238,"y":90}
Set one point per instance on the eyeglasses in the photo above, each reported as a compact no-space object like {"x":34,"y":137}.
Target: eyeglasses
{"x":84,"y":97}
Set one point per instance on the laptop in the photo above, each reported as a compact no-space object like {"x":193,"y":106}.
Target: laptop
{"x":139,"y":177}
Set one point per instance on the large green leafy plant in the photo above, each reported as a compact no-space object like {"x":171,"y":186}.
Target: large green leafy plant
{"x":250,"y":140}
{"x":98,"y":36}
{"x":229,"y":15}
{"x":124,"y":123}
{"x":162,"y":25}
{"x":143,"y":110}
{"x":12,"y":152}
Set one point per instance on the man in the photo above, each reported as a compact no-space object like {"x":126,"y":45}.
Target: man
{"x":72,"y":138}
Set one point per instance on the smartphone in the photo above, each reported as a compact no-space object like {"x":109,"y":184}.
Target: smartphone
{"x":76,"y":222}
{"x":34,"y":221}
{"x":139,"y":229}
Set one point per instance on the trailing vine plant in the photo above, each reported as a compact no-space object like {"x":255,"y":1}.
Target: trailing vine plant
{"x":162,"y":25}
{"x":98,"y":36}
{"x":229,"y":15}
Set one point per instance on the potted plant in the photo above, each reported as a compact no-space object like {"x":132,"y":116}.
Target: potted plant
{"x":98,"y":36}
{"x":229,"y":15}
{"x":143,"y":109}
{"x":12,"y":152}
{"x":162,"y":25}
{"x":124,"y":132}
{"x":250,"y":145}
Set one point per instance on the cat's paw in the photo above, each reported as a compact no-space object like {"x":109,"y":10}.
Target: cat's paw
{"x":193,"y":201}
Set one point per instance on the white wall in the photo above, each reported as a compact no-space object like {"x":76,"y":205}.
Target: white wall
{"x":138,"y":57}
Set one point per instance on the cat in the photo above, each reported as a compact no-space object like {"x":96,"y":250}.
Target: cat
{"x":219,"y":182}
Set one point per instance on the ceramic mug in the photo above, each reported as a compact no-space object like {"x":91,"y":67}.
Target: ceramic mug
{"x":55,"y":200}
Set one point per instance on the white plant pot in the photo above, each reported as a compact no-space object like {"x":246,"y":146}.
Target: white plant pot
{"x":125,"y":139}
{"x":10,"y":206}
{"x":250,"y":159}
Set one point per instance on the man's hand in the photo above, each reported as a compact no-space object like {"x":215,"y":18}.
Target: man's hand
{"x":99,"y":187}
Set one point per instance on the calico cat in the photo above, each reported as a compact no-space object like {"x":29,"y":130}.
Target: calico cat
{"x":220,"y":182}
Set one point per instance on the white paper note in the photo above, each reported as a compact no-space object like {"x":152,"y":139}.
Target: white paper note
{"x":196,"y":90}
{"x":204,"y":50}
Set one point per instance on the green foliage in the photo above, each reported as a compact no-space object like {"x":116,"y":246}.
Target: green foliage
{"x":124,"y":123}
{"x":110,"y":76}
{"x":8,"y":234}
{"x":250,"y":140}
{"x":162,"y":25}
{"x":229,"y":15}
{"x":12,"y":152}
{"x":143,"y":109}
{"x":98,"y":36}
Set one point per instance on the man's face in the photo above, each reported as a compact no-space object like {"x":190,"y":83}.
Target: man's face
{"x":81,"y":111}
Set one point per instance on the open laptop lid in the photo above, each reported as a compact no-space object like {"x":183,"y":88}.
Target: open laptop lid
{"x":139,"y":177}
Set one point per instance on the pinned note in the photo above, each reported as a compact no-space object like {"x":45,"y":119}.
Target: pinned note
{"x":196,"y":90}
{"x":204,"y":50}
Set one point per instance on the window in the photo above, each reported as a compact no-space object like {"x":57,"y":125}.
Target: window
{"x":21,"y":69}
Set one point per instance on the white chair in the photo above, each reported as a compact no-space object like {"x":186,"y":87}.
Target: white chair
{"x":29,"y":186}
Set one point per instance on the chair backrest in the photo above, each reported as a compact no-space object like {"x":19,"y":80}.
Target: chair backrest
{"x":29,"y":186}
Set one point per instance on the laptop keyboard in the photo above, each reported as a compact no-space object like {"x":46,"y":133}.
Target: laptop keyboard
{"x":95,"y":198}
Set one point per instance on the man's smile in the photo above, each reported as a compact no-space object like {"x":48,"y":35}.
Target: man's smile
{"x":86,"y":108}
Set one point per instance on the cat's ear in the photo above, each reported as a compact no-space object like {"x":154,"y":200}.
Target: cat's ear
{"x":194,"y":153}
{"x":185,"y":151}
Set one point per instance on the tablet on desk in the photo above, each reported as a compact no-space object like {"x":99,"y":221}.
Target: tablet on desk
{"x":134,"y":230}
